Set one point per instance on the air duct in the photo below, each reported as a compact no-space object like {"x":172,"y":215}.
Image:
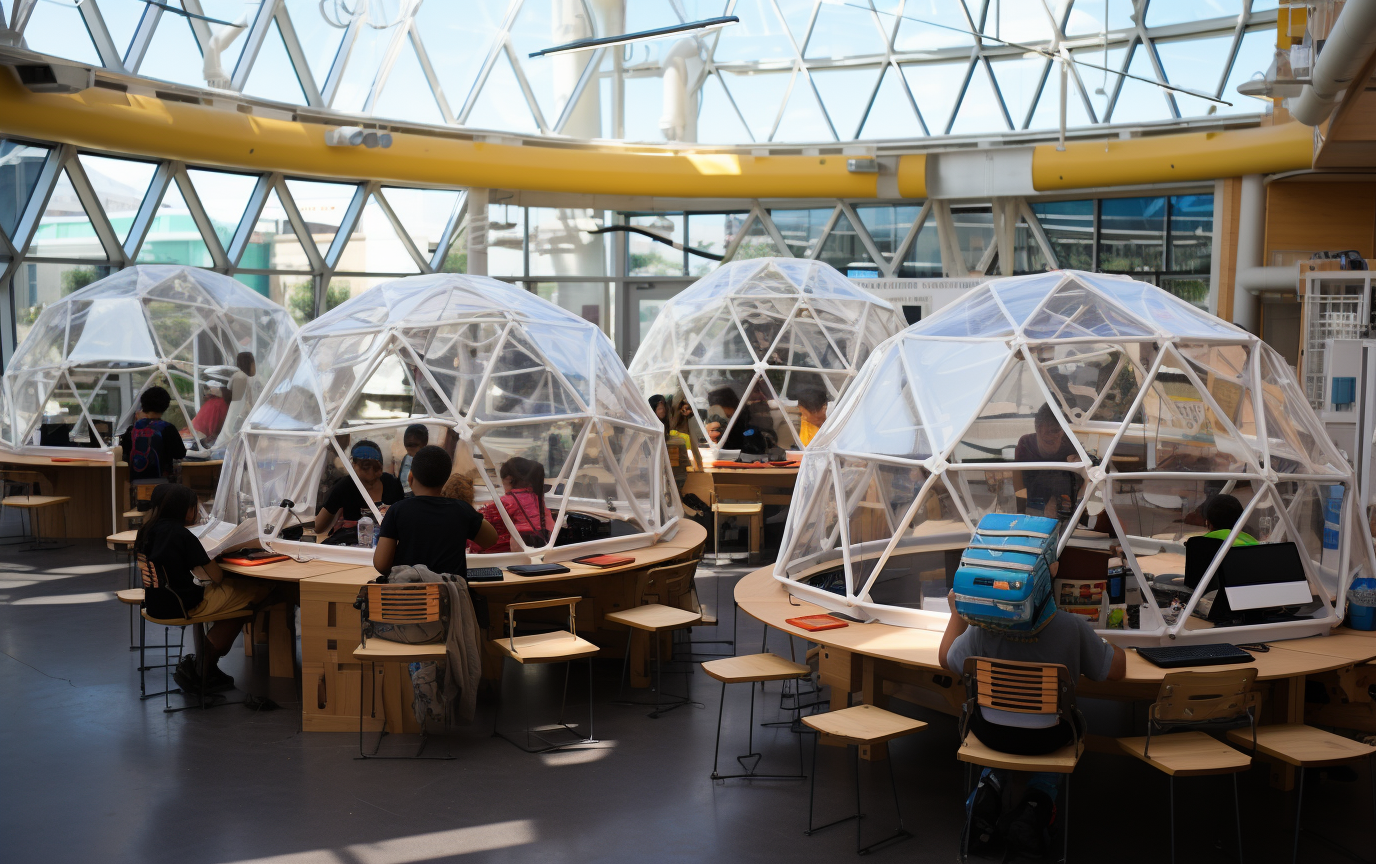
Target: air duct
{"x":1349,"y":45}
{"x":678,"y":122}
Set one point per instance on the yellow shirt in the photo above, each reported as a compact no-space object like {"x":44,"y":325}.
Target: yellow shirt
{"x":806,"y":431}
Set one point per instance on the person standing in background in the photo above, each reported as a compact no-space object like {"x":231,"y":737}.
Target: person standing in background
{"x":415,"y":437}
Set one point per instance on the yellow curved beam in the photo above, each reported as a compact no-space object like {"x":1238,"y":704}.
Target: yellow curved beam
{"x":109,"y":120}
{"x":1190,"y":156}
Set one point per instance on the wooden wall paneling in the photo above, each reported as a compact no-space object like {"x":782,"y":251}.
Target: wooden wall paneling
{"x":1314,"y":216}
{"x":1226,"y":222}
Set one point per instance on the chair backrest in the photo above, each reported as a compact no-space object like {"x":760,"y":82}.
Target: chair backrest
{"x":571,"y":602}
{"x":729,"y":492}
{"x":1205,"y":697}
{"x":406,"y":603}
{"x":1022,"y":688}
{"x":669,"y":584}
{"x":149,"y":573}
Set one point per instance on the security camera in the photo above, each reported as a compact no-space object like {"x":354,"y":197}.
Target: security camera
{"x":55,"y":78}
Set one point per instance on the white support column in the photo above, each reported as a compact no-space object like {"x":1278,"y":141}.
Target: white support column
{"x":1251,"y":237}
{"x":477,"y":231}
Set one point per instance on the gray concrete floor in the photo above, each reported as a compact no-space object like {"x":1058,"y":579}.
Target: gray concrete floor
{"x":92,"y":774}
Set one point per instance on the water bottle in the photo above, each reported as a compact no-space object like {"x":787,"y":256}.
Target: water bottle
{"x":365,"y":531}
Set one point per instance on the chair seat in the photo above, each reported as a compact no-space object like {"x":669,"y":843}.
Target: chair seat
{"x":134,"y":514}
{"x":864,"y":724}
{"x":1060,"y":761}
{"x":199,"y":619}
{"x":655,"y":617}
{"x":385,"y":651}
{"x":1187,"y":754}
{"x":553,"y":647}
{"x":34,"y":502}
{"x":754,"y":667}
{"x":132,"y":596}
{"x":738,"y":509}
{"x":1302,"y":746}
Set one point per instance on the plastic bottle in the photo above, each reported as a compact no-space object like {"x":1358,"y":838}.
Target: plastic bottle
{"x":365,"y":531}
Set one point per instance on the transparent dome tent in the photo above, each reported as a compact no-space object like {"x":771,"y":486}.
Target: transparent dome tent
{"x":75,"y":382}
{"x":492,"y":372}
{"x":767,"y":329}
{"x":1100,"y":400}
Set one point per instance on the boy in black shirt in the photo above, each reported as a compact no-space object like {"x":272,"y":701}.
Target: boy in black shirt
{"x":428,"y":528}
{"x":151,"y":443}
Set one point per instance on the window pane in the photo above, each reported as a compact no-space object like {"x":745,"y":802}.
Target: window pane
{"x":844,"y":250}
{"x":887,"y":226}
{"x":322,"y":205}
{"x":120,"y":185}
{"x":707,"y":231}
{"x":1069,"y":227}
{"x":64,"y":231}
{"x":1191,"y":290}
{"x":756,"y":243}
{"x":19,"y":167}
{"x":506,"y":231}
{"x":924,"y":256}
{"x":801,"y":229}
{"x":36,"y":284}
{"x":1192,"y":228}
{"x":974,"y":233}
{"x":424,"y":213}
{"x":1132,"y":235}
{"x":646,"y":257}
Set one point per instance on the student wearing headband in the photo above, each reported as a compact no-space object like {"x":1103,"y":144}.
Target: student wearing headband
{"x":344,"y":506}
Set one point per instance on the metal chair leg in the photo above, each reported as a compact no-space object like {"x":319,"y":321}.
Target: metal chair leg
{"x":748,"y":772}
{"x":1065,"y":839}
{"x":1299,"y":808}
{"x":1237,"y":814}
{"x":1171,"y":778}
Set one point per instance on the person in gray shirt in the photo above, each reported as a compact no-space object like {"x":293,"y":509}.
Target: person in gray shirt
{"x":1066,"y":639}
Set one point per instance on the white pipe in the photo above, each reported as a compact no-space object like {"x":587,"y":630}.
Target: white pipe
{"x":1348,"y":47}
{"x":674,"y":121}
{"x":222,"y":36}
{"x":1251,"y":233}
{"x":1264,"y":279}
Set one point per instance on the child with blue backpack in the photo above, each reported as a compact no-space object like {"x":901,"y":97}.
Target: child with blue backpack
{"x":152,"y":444}
{"x":1009,"y":566}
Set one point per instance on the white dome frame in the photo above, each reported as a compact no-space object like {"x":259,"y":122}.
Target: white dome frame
{"x":112,"y":331}
{"x":698,"y":341}
{"x":427,"y":324}
{"x":909,"y":453}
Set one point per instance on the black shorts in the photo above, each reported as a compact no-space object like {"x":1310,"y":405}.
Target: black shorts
{"x":1021,"y":741}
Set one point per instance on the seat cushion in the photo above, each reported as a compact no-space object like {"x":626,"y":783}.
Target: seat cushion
{"x":1187,"y":754}
{"x":1300,"y":745}
{"x":553,"y":647}
{"x":1060,"y":761}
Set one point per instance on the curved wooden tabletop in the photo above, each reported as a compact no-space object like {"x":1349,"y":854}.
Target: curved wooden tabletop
{"x":764,"y":598}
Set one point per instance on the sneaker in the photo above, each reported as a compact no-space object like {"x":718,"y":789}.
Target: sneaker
{"x":984,"y":807}
{"x":1027,"y":826}
{"x":217,"y":681}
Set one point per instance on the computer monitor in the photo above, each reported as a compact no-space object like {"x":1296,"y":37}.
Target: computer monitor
{"x":1259,"y":581}
{"x":1199,"y":554}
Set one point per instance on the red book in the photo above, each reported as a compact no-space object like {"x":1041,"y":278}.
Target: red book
{"x":816,"y":622}
{"x":604,"y":560}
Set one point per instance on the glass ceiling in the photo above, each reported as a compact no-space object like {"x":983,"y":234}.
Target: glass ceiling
{"x":792,"y":71}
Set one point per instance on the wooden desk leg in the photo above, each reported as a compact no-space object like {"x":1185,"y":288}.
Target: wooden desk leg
{"x":872,"y":693}
{"x":281,"y":642}
{"x":640,"y":653}
{"x":1287,"y":707}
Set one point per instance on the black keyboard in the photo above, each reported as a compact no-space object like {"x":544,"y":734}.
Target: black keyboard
{"x":1211,"y":654}
{"x":485,"y":574}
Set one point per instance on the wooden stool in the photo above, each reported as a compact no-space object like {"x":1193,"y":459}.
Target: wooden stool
{"x":1306,"y":747}
{"x":750,"y":669}
{"x":34,"y":503}
{"x":560,"y":646}
{"x":654,"y":619}
{"x":739,"y":501}
{"x":861,"y":725}
{"x":203,"y":656}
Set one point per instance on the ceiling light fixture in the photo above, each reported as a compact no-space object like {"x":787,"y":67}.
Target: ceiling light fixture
{"x":641,"y":36}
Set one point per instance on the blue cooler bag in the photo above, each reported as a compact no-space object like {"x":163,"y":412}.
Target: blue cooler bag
{"x":1004,"y":580}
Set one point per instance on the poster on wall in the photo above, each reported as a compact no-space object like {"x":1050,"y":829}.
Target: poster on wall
{"x":919,"y":298}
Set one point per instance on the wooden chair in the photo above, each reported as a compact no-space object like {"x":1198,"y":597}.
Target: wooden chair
{"x":34,"y":505}
{"x":750,"y":669}
{"x":859,"y":726}
{"x":133,"y":598}
{"x":403,"y":603}
{"x":154,"y":579}
{"x":1306,"y":747}
{"x":16,"y":483}
{"x":671,"y":584}
{"x":728,"y":500}
{"x":1022,"y":688}
{"x":1199,"y":699}
{"x":559,"y":646}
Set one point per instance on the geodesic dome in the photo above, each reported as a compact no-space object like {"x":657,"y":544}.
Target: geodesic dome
{"x":76,"y":380}
{"x":767,"y":329}
{"x":492,"y":372}
{"x":1153,"y":407}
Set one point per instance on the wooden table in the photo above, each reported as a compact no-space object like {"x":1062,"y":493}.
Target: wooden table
{"x":764,"y":478}
{"x":882,"y":660}
{"x":202,"y":475}
{"x":331,"y":679}
{"x":83,"y":480}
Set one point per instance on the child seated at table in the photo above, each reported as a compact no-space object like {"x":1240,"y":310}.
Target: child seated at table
{"x":348,"y":505}
{"x":415,"y":437}
{"x":1221,"y":513}
{"x":812,"y":408}
{"x":1065,"y":639}
{"x":524,"y":502}
{"x":171,"y":589}
{"x":152,"y":444}
{"x":429,"y":528}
